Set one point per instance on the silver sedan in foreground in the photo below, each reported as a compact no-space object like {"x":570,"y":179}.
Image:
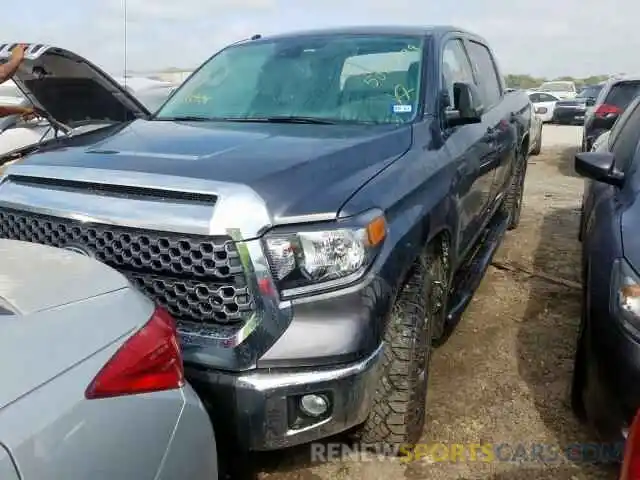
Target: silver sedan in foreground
{"x":92,"y":378}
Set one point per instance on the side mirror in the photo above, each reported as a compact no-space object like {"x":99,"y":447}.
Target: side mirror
{"x":467,"y":106}
{"x":599,"y":166}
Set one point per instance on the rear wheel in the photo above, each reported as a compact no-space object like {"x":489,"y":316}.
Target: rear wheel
{"x":537,"y":147}
{"x":513,"y":201}
{"x":398,"y":412}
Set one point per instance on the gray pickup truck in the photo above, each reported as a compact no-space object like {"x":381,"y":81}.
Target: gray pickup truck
{"x":315,"y":209}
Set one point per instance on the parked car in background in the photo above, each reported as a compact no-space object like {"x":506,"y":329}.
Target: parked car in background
{"x":606,"y":377}
{"x":100,"y":391}
{"x":311,"y":254}
{"x":612,"y":100}
{"x":151,"y":93}
{"x":154,"y":97}
{"x":574,"y":111}
{"x":559,"y":88}
{"x":544,"y":104}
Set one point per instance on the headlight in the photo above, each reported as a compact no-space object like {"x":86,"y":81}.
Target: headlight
{"x":311,"y":259}
{"x":626,"y":294}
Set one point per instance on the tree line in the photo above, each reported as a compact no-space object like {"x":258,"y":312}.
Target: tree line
{"x":527,"y":81}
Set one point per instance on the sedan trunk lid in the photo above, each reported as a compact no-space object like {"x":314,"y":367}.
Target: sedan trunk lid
{"x":57,"y":308}
{"x":70,"y":88}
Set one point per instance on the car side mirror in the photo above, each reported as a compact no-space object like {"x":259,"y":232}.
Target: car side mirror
{"x":599,"y":166}
{"x":467,"y":105}
{"x":590,"y":101}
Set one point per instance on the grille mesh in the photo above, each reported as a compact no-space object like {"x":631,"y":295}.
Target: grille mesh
{"x":197,"y":278}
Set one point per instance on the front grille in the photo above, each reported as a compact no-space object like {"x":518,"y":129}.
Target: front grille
{"x":197,"y":278}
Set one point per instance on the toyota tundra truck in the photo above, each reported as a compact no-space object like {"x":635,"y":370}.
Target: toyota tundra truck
{"x":315,"y":209}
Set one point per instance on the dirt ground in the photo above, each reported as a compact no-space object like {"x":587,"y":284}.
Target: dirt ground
{"x":503,"y":376}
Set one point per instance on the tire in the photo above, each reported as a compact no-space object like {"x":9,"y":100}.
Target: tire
{"x":579,"y":375}
{"x":578,"y":380}
{"x":513,"y":202}
{"x":398,"y":410}
{"x":538,"y":145}
{"x":440,"y":273}
{"x":581,"y":223}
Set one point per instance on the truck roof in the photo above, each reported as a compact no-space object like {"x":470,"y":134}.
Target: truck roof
{"x":433,"y":30}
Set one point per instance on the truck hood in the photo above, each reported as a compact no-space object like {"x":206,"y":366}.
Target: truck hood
{"x":70,"y":88}
{"x":295,"y":169}
{"x":56,"y":309}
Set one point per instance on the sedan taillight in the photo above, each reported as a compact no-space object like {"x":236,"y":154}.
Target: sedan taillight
{"x":604,"y":110}
{"x":149,"y":361}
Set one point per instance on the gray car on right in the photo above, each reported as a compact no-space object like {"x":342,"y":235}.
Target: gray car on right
{"x":614,"y":97}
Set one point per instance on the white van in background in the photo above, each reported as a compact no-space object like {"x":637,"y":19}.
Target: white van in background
{"x":563,"y":89}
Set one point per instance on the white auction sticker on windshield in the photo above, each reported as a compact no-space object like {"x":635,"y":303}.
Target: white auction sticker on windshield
{"x":402,"y":108}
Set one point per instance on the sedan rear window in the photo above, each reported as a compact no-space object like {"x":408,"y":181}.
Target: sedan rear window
{"x":621,"y":94}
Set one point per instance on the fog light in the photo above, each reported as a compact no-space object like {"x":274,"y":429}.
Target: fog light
{"x":314,"y":405}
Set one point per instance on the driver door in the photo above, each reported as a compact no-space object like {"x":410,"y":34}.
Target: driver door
{"x":470,"y":149}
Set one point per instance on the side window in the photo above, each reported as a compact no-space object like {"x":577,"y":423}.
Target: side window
{"x":455,"y":66}
{"x":624,"y":140}
{"x":535,"y":97}
{"x":489,"y":83}
{"x":545,"y":97}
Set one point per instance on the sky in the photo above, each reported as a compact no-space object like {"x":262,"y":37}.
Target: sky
{"x":548,"y":38}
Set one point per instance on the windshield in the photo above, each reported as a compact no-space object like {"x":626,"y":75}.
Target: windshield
{"x":341,"y":78}
{"x":557,"y":87}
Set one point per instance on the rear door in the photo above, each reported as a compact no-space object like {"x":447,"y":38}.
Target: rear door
{"x":499,"y":133}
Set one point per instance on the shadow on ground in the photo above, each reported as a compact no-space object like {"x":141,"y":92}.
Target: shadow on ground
{"x":534,"y":474}
{"x":564,"y":159}
{"x":235,"y":465}
{"x":547,"y":335}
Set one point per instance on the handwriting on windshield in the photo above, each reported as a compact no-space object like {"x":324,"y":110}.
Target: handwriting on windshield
{"x":199,"y":99}
{"x":374,"y":79}
{"x":403,"y":94}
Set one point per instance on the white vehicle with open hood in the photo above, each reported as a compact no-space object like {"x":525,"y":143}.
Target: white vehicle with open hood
{"x":73,"y":96}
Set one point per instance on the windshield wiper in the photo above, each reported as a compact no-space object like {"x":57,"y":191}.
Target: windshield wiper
{"x":186,"y":118}
{"x":281,"y":119}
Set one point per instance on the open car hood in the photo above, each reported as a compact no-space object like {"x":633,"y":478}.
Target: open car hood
{"x":70,"y":88}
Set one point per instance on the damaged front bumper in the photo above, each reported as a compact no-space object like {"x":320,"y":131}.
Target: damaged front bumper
{"x":262,"y":409}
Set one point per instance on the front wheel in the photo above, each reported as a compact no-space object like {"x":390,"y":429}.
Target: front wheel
{"x":398,"y":412}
